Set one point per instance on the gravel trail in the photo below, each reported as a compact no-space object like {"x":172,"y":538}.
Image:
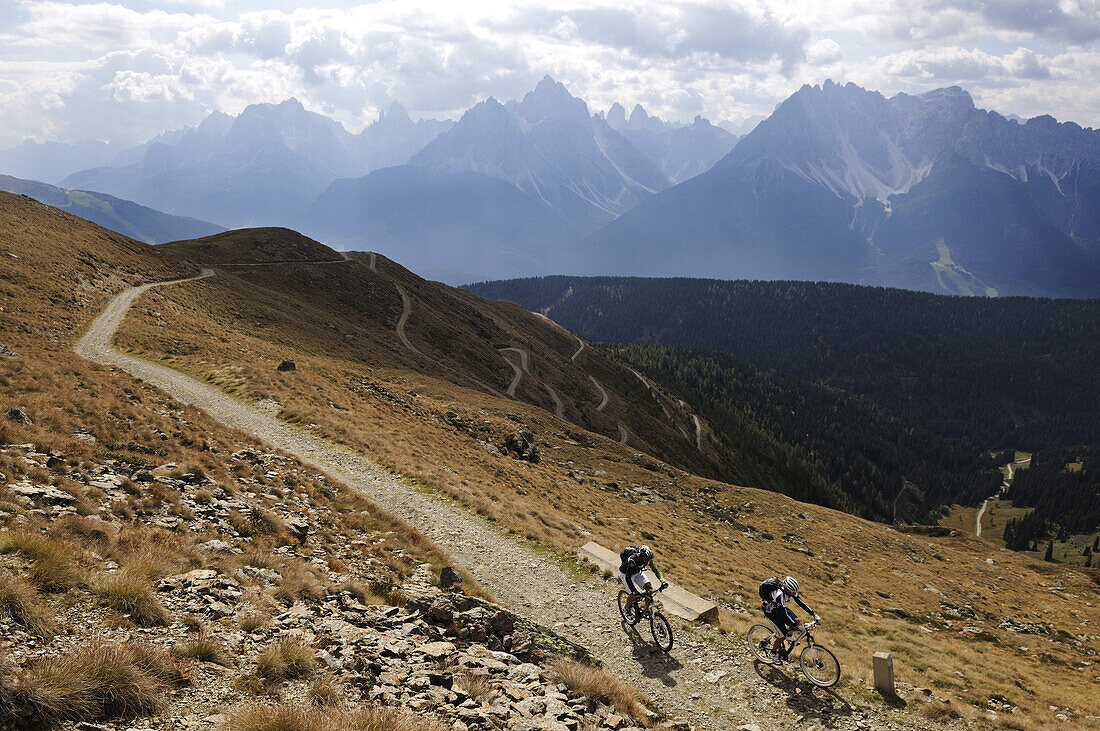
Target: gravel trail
{"x":528,"y":581}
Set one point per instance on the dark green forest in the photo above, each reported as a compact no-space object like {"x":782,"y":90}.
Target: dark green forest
{"x":842,"y":394}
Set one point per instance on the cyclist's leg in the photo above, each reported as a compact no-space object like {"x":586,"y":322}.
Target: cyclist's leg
{"x":627,"y":584}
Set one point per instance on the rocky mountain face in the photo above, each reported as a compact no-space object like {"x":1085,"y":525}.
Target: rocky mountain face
{"x":924,"y":192}
{"x":681,"y":151}
{"x":262,"y":166}
{"x":550,"y":147}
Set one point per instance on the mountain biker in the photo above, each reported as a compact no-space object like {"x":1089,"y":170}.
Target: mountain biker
{"x":776,"y":594}
{"x":633,"y":562}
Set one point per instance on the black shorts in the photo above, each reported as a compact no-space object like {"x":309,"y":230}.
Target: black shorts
{"x":782,"y":618}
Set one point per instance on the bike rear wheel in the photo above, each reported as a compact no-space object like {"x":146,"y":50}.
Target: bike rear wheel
{"x":761,"y":637}
{"x":662,"y":631}
{"x":627,"y":614}
{"x":820,"y":666}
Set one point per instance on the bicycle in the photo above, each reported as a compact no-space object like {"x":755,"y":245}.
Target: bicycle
{"x":820,"y":665}
{"x":643,"y":606}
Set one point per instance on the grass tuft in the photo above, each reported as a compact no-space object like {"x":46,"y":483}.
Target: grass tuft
{"x":291,"y":718}
{"x":129,"y":594}
{"x":53,"y":567}
{"x":203,"y":649}
{"x":286,"y":660}
{"x":19,"y":603}
{"x":94,"y":683}
{"x":599,"y":684}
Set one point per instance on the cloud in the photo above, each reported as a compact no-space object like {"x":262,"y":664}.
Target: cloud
{"x":955,"y":65}
{"x":127,"y":69}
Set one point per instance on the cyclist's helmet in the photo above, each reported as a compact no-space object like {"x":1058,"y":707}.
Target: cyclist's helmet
{"x":647,"y":553}
{"x":790,"y":585}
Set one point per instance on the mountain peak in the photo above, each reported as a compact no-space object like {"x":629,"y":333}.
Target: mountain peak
{"x":638,"y":115}
{"x":953,"y":95}
{"x":551,"y":99}
{"x":396,"y":115}
{"x":616,"y":116}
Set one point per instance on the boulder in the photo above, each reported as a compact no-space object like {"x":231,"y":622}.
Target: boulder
{"x":521,"y":442}
{"x":286,"y":365}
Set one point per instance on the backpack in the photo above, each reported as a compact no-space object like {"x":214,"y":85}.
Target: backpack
{"x":627,"y":554}
{"x":768,"y":587}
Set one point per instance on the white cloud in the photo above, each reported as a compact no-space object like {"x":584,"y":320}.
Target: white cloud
{"x":127,"y":69}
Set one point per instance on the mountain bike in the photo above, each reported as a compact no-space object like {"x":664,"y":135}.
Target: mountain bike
{"x":820,"y":665}
{"x":645,"y":606}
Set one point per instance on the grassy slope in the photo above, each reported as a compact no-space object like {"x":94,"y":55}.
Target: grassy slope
{"x":123,"y":216}
{"x":252,"y":246}
{"x":356,"y":385}
{"x":58,"y":272}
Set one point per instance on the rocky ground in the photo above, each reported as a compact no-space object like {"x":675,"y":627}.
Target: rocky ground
{"x":415,"y":646}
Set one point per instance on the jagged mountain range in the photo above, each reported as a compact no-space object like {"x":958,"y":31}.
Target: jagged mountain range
{"x":839,"y":184}
{"x":681,"y":151}
{"x":924,"y":192}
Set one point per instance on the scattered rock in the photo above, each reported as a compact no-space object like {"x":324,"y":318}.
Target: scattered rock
{"x":18,"y":416}
{"x":449,"y":577}
{"x":42,"y":493}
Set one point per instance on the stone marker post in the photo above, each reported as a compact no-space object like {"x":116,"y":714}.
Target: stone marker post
{"x":884,"y":673}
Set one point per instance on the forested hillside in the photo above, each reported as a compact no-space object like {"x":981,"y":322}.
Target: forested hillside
{"x":844,"y":392}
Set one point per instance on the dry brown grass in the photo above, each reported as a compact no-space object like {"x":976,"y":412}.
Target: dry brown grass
{"x":288,"y":659}
{"x":19,"y":603}
{"x":94,"y":683}
{"x":477,"y":685}
{"x":597,"y":683}
{"x":129,"y":594}
{"x":298,"y":582}
{"x":203,"y":649}
{"x":291,"y":718}
{"x":253,"y":621}
{"x":325,"y":691}
{"x":53,"y":564}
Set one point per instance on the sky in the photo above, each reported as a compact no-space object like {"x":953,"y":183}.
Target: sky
{"x":126,"y":70}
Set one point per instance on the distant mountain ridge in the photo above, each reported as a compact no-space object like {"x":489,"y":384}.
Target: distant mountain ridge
{"x":262,"y":166}
{"x":126,"y":217}
{"x":551,"y":148}
{"x":923,"y":192}
{"x":682,"y":151}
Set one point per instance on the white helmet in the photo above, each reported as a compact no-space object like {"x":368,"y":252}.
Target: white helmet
{"x":790,"y":585}
{"x":647,"y":553}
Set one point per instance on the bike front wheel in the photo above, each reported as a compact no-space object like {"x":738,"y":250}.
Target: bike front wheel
{"x":662,"y":631}
{"x":761,"y":637}
{"x":626,"y":614}
{"x":820,"y":666}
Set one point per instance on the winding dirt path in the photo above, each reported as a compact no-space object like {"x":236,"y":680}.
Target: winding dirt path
{"x":580,"y":348}
{"x":559,"y":407}
{"x":517,"y":370}
{"x":604,"y":398}
{"x":527,"y":580}
{"x":624,"y":435}
{"x":406,"y":310}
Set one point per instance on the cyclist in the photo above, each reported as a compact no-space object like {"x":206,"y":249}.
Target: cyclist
{"x":776,"y":594}
{"x":633,"y":562}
